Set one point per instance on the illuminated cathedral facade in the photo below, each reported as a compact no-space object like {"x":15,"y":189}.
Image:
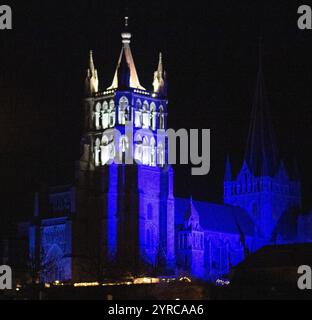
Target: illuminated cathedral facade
{"x":124,"y":217}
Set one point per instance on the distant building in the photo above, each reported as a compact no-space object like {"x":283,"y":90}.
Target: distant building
{"x":125,"y":217}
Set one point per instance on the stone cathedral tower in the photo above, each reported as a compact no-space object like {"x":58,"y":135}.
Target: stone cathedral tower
{"x":125,"y":212}
{"x":263,"y":187}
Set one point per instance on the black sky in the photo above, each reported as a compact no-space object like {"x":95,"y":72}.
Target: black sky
{"x":210,"y":51}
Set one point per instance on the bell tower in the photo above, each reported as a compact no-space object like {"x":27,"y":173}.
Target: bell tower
{"x":124,"y":183}
{"x":263,"y":186}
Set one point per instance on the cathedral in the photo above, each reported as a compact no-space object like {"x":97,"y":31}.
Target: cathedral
{"x":121,"y":218}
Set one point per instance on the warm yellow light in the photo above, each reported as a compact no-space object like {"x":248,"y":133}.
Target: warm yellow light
{"x":146,"y":280}
{"x":86,"y":284}
{"x":185,"y":279}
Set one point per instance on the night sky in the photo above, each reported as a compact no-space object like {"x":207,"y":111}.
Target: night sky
{"x":211,"y":56}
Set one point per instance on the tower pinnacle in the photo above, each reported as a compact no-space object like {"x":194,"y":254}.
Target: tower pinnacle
{"x":126,"y":62}
{"x":228,"y":171}
{"x":126,"y":35}
{"x":92,"y":81}
{"x":159,"y":82}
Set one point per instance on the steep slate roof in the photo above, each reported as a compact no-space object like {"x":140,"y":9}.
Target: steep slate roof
{"x":126,"y":56}
{"x":215,"y":217}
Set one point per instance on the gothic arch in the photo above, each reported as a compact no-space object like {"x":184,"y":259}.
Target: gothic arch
{"x":98,"y":107}
{"x":153,"y":152}
{"x":145,"y":105}
{"x":112,"y":113}
{"x":138,"y":114}
{"x":153,"y":115}
{"x":53,"y":263}
{"x":138,"y":148}
{"x":146,"y":115}
{"x":97,"y":151}
{"x":105,"y":154}
{"x":145,"y":156}
{"x":161,"y":155}
{"x":97,"y":116}
{"x":123,"y":144}
{"x":123,"y":111}
{"x":105,"y":115}
{"x":105,"y":106}
{"x":54,"y":254}
{"x":104,"y":140}
{"x":161,"y":117}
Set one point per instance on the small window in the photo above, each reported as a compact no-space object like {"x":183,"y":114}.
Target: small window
{"x":161,"y":118}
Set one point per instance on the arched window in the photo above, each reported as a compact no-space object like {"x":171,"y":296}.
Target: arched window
{"x":53,"y":262}
{"x":123,"y":147}
{"x":161,"y":118}
{"x":97,"y":151}
{"x":161,"y":155}
{"x":123,"y":111}
{"x":138,"y":149}
{"x":112,"y":150}
{"x":112,"y":114}
{"x":97,"y":116}
{"x":138,"y":114}
{"x":153,"y":152}
{"x":153,"y":116}
{"x":104,"y":151}
{"x":145,"y":157}
{"x":105,"y":115}
{"x":146,"y":115}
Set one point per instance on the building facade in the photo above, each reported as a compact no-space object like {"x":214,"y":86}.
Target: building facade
{"x":121,"y":214}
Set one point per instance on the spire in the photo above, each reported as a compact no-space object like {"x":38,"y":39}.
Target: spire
{"x":159,"y":82}
{"x":282,"y":172}
{"x":123,"y":74}
{"x":91,"y":62}
{"x":228,"y":171}
{"x":160,"y":68}
{"x":261,"y":151}
{"x":92,"y":81}
{"x":191,"y":216}
{"x":126,"y":56}
{"x":190,"y":208}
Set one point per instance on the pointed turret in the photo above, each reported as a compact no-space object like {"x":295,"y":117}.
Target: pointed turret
{"x":228,"y":170}
{"x":191,"y":216}
{"x":261,"y":151}
{"x":282,"y":174}
{"x":92,"y":81}
{"x":159,"y":83}
{"x":126,"y":59}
